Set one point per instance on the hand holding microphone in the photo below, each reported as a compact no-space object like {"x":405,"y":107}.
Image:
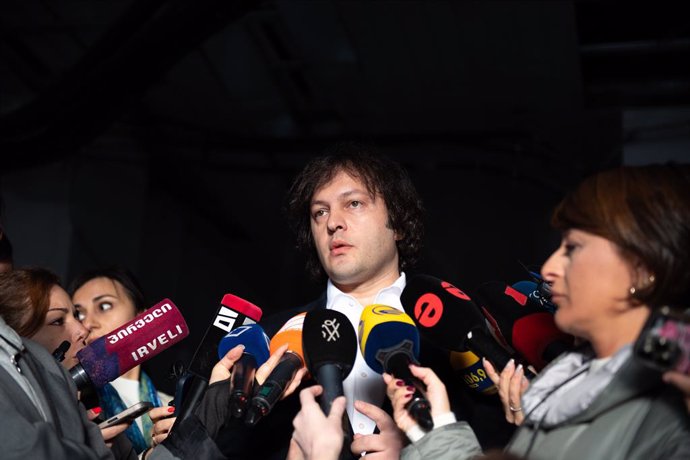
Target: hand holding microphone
{"x":399,"y":394}
{"x":389,"y":342}
{"x":317,"y":435}
{"x":286,"y":349}
{"x":255,"y":354}
{"x":232,"y":313}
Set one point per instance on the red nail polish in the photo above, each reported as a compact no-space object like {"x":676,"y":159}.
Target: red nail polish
{"x":96,"y":410}
{"x":408,"y":395}
{"x":410,"y":388}
{"x":399,"y":383}
{"x":171,"y":409}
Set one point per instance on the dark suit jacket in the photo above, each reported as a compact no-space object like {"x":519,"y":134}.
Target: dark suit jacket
{"x":271,"y":437}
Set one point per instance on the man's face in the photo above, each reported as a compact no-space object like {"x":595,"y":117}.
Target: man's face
{"x":351,"y":234}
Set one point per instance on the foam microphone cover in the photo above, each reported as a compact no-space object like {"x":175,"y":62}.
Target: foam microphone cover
{"x":524,"y":325}
{"x":329,"y":338}
{"x":253,"y":338}
{"x":443,"y":313}
{"x":290,"y":334}
{"x":131,"y":344}
{"x":382,"y":327}
{"x":389,"y":342}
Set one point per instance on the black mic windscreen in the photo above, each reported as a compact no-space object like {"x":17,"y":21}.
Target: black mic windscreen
{"x":328,"y":338}
{"x":442,"y":312}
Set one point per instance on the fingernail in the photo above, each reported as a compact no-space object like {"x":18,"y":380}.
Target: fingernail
{"x":511,"y":363}
{"x":410,"y":388}
{"x":171,"y":409}
{"x":519,"y":369}
{"x":408,"y":395}
{"x":96,"y":410}
{"x":399,"y":383}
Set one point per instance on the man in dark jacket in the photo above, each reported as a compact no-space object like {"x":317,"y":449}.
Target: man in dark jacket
{"x":358,"y":218}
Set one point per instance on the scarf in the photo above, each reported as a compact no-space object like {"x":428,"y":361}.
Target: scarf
{"x":112,"y":404}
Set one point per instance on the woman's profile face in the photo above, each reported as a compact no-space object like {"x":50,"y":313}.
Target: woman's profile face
{"x":103,"y":305}
{"x":60,"y":325}
{"x":590,"y":282}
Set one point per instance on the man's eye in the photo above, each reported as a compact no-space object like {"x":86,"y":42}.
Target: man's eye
{"x":105,"y":306}
{"x":355,"y":204}
{"x":319,"y":213}
{"x":58,"y":322}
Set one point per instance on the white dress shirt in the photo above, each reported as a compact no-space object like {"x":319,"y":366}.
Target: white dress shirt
{"x":363,"y":383}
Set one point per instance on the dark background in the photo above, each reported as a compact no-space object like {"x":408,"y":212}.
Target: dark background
{"x":163,"y":135}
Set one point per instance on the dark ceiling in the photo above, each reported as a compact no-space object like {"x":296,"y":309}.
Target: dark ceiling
{"x":225,"y":74}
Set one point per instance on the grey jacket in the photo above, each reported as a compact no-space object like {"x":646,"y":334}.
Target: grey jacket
{"x":24,"y":432}
{"x":636,"y":416}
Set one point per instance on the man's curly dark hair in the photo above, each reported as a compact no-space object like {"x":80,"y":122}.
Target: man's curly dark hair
{"x":380,"y":175}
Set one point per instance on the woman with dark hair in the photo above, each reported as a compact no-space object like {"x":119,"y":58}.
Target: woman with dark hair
{"x":624,"y":253}
{"x":105,"y":299}
{"x":34,"y":305}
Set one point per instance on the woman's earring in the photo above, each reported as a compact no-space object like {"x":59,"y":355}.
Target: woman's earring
{"x":632,"y":290}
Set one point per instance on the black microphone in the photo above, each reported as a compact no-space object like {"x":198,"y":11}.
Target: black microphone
{"x":330,"y":346}
{"x":61,"y":350}
{"x":233,"y":312}
{"x":270,"y":392}
{"x":450,"y":319}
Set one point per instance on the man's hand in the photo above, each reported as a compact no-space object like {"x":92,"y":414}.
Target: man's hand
{"x":317,"y":435}
{"x":383,"y":446}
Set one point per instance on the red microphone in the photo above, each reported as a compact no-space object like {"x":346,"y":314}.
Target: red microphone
{"x":133,"y":343}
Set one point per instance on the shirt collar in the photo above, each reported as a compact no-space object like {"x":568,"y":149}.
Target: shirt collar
{"x":389,"y":295}
{"x":10,"y":336}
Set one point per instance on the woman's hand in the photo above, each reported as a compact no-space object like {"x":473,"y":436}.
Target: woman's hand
{"x":511,"y":384}
{"x":110,"y":432}
{"x":399,"y":394}
{"x":162,"y":423}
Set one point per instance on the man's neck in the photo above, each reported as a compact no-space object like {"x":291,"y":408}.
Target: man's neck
{"x":365,"y":292}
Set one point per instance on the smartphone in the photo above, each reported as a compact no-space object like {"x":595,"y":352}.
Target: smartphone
{"x":128,"y":415}
{"x":664,"y":343}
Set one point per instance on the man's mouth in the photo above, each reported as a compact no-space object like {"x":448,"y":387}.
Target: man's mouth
{"x":338,"y":247}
